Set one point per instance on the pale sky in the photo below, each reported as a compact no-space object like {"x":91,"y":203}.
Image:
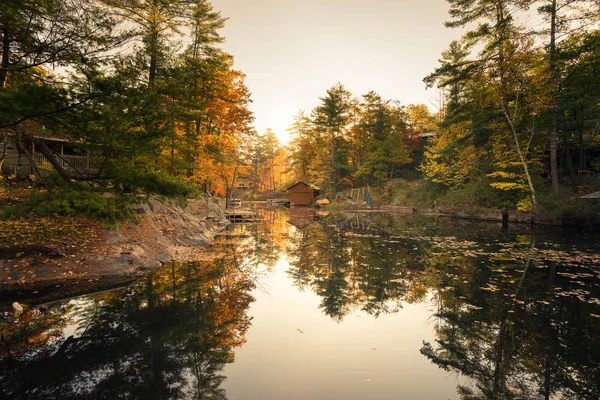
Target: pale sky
{"x":292,"y":51}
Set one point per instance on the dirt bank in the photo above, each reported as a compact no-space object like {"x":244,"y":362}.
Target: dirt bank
{"x":81,"y":256}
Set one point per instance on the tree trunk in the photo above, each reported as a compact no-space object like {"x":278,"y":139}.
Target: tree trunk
{"x":521,"y":156}
{"x":333,"y":162}
{"x":47,"y":152}
{"x":29,"y":157}
{"x":553,"y":78}
{"x":4,"y":149}
{"x":5,"y":58}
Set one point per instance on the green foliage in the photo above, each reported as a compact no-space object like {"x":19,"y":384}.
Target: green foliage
{"x":405,"y":192}
{"x":366,"y":140}
{"x":333,"y":207}
{"x":569,"y":208}
{"x":153,"y":182}
{"x":72,"y":200}
{"x":474,"y":193}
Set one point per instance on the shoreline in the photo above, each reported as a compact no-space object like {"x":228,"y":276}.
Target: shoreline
{"x":165,"y":233}
{"x":481,"y":214}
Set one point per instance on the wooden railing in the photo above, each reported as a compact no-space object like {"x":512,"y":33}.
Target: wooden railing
{"x":82,"y":164}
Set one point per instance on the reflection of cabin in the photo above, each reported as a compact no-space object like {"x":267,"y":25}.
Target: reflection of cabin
{"x":301,"y":217}
{"x":72,"y":156}
{"x":302,"y":193}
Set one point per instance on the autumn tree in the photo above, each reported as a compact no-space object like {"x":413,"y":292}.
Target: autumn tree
{"x":308,"y":156}
{"x":380,"y":139}
{"x":331,"y":118}
{"x":506,"y":84}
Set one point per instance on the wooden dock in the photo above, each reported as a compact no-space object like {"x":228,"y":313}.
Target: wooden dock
{"x":239,"y":216}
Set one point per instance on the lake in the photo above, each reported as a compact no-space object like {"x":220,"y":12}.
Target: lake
{"x":306,"y":305}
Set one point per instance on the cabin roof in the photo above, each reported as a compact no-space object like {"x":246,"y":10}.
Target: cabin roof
{"x":310,"y":185}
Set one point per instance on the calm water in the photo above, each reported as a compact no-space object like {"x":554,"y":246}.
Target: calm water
{"x":305,"y":306}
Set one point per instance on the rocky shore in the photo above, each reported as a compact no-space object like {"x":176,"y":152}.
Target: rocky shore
{"x":163,"y":233}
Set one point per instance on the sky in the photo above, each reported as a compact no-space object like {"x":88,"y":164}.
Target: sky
{"x":292,"y":51}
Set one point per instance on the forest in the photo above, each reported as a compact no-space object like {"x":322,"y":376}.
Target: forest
{"x":144,"y":98}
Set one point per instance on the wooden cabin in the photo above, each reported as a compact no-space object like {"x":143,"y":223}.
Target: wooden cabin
{"x":72,"y":156}
{"x":242,"y":183}
{"x":302,"y":193}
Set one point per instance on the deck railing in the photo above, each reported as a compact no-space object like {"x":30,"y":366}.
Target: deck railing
{"x":82,"y":164}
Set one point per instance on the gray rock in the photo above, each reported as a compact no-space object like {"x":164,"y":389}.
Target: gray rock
{"x":56,"y":253}
{"x":141,"y":208}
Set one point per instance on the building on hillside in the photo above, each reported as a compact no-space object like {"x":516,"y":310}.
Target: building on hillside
{"x":242,"y":183}
{"x":72,"y":156}
{"x":302,"y":193}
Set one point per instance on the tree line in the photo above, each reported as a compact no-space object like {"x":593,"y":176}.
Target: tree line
{"x":518,"y":121}
{"x":145,"y":84}
{"x":523,"y":102}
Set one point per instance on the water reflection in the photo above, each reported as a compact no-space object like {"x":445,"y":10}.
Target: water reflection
{"x":522,"y":321}
{"x":168,"y":336}
{"x":515,"y":314}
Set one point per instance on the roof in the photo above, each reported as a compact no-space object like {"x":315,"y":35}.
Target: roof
{"x":310,"y":185}
{"x":592,"y":196}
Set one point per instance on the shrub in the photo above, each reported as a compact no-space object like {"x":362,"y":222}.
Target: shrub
{"x":568,"y":207}
{"x":154,"y":182}
{"x":473,"y":193}
{"x":332,"y":207}
{"x":72,"y":200}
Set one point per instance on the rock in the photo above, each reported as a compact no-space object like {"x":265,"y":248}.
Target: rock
{"x":141,"y":208}
{"x":56,"y":253}
{"x":17,"y":307}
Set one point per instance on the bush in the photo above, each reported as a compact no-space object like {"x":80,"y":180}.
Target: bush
{"x":333,"y":207}
{"x":154,"y":182}
{"x":405,"y":192}
{"x":568,"y":207}
{"x":473,"y":193}
{"x":72,"y":200}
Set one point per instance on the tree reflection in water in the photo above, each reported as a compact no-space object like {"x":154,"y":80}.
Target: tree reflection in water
{"x":516,"y":321}
{"x":519,"y":321}
{"x":168,"y":336}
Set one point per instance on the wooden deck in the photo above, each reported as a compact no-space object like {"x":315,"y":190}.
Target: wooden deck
{"x":240,"y":216}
